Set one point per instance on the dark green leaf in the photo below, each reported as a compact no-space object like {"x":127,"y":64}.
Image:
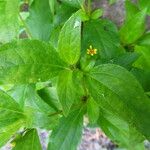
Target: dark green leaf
{"x":119,"y":130}
{"x":102,"y":35}
{"x":127,"y":59}
{"x":92,"y":110}
{"x":40,"y":19}
{"x":143,"y":76}
{"x":68,"y":92}
{"x":117,"y":90}
{"x":68,"y":134}
{"x":28,"y":61}
{"x":49,"y":95}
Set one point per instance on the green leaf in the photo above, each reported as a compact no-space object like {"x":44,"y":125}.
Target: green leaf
{"x":42,"y":120}
{"x":74,"y":3}
{"x":52,"y":6}
{"x":38,"y":113}
{"x":9,"y":25}
{"x":144,"y":40}
{"x":127,"y":59}
{"x":9,"y":109}
{"x":133,"y":28}
{"x":67,"y":90}
{"x":117,"y":90}
{"x":68,"y":134}
{"x":63,"y":13}
{"x":119,"y":130}
{"x":8,"y":131}
{"x":26,"y":95}
{"x":144,"y":60}
{"x":131,"y":9}
{"x":143,"y":76}
{"x":69,"y":43}
{"x":102,"y":35}
{"x":11,"y":118}
{"x":92,"y":110}
{"x":144,"y":4}
{"x":49,"y":95}
{"x":97,"y":14}
{"x":39,"y":20}
{"x":28,"y":141}
{"x":28,"y":61}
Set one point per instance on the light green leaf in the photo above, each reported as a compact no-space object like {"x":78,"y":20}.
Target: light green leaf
{"x":28,"y":141}
{"x":144,"y":60}
{"x":67,"y":90}
{"x":144,"y":40}
{"x":49,"y":96}
{"x":133,"y":28}
{"x":144,"y":4}
{"x":25,"y":95}
{"x":131,"y":9}
{"x":103,"y":36}
{"x":8,"y":131}
{"x":97,"y":14}
{"x":117,"y":90}
{"x":28,"y":61}
{"x":119,"y":130}
{"x":10,"y":111}
{"x":42,"y":120}
{"x":68,"y":134}
{"x":39,"y":21}
{"x":9,"y":25}
{"x":38,"y":113}
{"x":52,"y":6}
{"x":69,"y":43}
{"x":92,"y":110}
{"x":11,"y":118}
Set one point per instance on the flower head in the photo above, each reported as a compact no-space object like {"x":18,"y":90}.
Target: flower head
{"x":91,"y":51}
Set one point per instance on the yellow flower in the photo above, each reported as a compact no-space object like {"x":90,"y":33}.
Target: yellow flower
{"x":13,"y":144}
{"x":91,"y":51}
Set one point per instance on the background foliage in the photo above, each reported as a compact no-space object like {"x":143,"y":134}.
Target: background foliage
{"x":72,"y":63}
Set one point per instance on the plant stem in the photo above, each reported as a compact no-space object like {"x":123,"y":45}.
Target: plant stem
{"x":56,"y":113}
{"x":84,"y":87}
{"x":89,"y":6}
{"x":26,"y":28}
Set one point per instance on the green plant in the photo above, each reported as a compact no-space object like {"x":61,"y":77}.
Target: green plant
{"x":73,"y":64}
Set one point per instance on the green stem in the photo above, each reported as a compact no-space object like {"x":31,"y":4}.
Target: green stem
{"x":56,"y":113}
{"x":89,"y":6}
{"x":81,"y":5}
{"x":84,"y":87}
{"x":26,"y":28}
